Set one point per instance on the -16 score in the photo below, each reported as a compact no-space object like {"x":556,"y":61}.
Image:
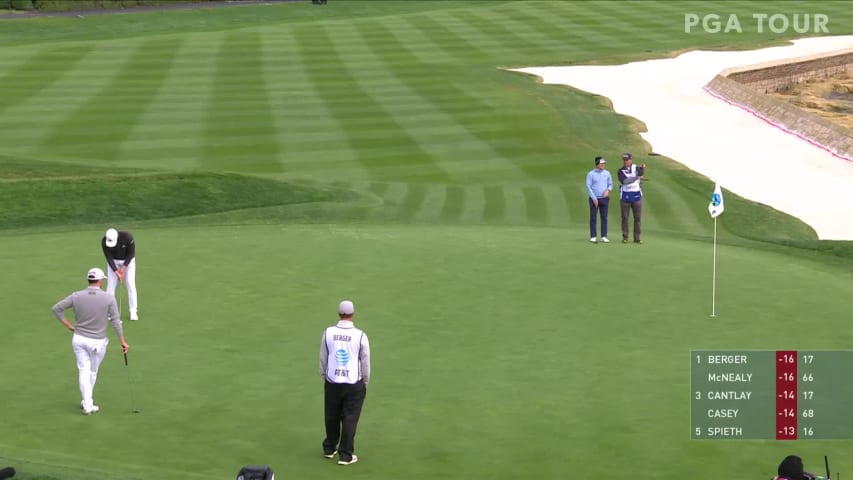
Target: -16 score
{"x":788,"y":358}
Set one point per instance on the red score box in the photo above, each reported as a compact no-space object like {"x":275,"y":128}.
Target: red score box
{"x":786,"y":395}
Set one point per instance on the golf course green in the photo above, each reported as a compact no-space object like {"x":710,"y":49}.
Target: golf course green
{"x":274,"y":159}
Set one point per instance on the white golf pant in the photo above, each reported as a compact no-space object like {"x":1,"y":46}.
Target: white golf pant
{"x":129,"y":280}
{"x":90,"y":353}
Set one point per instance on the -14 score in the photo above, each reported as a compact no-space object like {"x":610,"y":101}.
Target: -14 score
{"x":790,"y":395}
{"x":790,"y":413}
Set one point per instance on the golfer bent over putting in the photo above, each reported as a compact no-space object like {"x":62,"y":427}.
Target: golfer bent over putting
{"x":92,"y":308}
{"x":120,"y":251}
{"x":345,"y":367}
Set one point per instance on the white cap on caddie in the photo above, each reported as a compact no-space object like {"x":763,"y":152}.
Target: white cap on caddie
{"x":95,"y":274}
{"x":111,"y":237}
{"x":346,"y":308}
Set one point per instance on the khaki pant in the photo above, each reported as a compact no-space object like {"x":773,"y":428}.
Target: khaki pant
{"x":637,"y":209}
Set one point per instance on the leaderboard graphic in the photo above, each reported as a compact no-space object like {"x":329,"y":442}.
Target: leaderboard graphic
{"x":771,"y":394}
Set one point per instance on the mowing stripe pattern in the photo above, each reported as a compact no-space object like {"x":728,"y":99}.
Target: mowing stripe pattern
{"x":412,"y":107}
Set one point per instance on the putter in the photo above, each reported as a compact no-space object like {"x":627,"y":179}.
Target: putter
{"x":130,"y":385}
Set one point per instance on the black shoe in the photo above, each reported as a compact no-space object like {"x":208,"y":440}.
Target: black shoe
{"x":638,"y":241}
{"x":330,"y":455}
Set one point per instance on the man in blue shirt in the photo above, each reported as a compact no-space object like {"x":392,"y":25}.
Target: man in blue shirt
{"x":599,"y":184}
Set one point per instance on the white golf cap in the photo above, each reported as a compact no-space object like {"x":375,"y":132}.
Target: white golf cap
{"x":95,"y":274}
{"x":346,"y":308}
{"x":111,"y":237}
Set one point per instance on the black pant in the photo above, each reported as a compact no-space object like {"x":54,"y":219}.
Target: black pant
{"x":637,"y":209}
{"x":343,"y":407}
{"x":603,"y":207}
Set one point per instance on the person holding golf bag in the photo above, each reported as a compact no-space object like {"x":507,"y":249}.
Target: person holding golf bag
{"x":93,"y":308}
{"x":631,"y":195}
{"x":345,"y":368}
{"x":120,"y":251}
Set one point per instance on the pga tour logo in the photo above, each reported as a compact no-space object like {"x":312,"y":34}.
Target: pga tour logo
{"x":761,"y":22}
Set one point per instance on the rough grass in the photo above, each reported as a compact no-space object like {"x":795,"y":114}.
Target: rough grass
{"x":77,"y":5}
{"x":20,"y":169}
{"x":830,"y":98}
{"x":35,"y":195}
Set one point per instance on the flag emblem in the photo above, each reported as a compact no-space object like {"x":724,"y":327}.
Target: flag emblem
{"x":716,"y":207}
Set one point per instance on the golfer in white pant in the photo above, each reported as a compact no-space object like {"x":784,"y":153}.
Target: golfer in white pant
{"x":93,"y":307}
{"x":120,"y":251}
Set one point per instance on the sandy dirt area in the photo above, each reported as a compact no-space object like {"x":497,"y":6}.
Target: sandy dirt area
{"x":830,"y":98}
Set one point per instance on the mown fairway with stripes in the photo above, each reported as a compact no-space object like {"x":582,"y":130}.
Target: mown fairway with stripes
{"x":273,"y":159}
{"x":410,"y":106}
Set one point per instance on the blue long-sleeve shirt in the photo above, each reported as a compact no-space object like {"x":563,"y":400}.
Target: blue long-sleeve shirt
{"x":597,"y":182}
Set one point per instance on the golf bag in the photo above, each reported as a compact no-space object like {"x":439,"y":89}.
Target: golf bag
{"x":791,"y":468}
{"x":256,"y":472}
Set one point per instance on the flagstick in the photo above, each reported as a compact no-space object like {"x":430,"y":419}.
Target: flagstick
{"x":714,"y":283}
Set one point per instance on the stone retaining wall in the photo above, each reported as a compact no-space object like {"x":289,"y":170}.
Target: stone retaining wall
{"x":780,"y":75}
{"x":746,"y":87}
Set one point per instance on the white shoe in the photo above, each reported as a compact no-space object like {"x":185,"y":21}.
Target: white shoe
{"x":354,"y":459}
{"x":134,"y":316}
{"x":94,"y":409}
{"x":330,"y":455}
{"x":593,"y":240}
{"x":605,"y":240}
